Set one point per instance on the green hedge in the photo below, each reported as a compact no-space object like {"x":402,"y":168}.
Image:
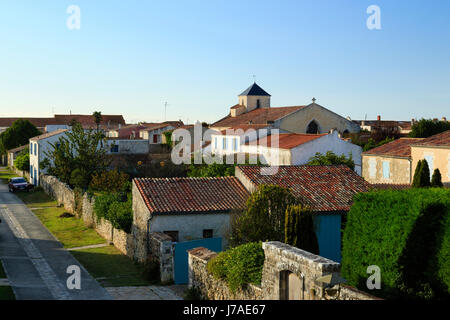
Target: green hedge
{"x":239,"y":266}
{"x":407,"y":234}
{"x":113,"y":208}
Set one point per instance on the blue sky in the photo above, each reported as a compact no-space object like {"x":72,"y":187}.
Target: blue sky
{"x":129,"y":57}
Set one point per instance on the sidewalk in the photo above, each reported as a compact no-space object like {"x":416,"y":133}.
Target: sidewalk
{"x":34,"y":261}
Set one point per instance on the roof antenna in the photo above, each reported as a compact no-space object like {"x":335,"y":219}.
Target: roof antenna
{"x":254,"y":79}
{"x":165,"y":110}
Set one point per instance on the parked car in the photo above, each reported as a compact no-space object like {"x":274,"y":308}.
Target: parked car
{"x":19,"y":184}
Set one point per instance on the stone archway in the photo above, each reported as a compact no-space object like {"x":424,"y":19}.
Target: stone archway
{"x":313,"y":127}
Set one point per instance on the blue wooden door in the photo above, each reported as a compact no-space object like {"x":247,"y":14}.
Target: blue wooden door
{"x":181,"y":256}
{"x":328,"y":231}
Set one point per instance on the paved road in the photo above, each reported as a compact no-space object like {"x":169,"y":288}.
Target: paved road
{"x":34,"y":261}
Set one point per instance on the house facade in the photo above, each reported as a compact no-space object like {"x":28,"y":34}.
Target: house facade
{"x":13,"y":153}
{"x":436,"y":150}
{"x":153,"y":133}
{"x":127,"y":146}
{"x":185,"y":208}
{"x":390,"y":163}
{"x":39,"y":145}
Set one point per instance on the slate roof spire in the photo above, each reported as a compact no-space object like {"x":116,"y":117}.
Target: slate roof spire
{"x":254,"y":90}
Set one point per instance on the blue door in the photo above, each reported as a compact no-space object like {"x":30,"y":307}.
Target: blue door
{"x":328,"y":231}
{"x":181,"y":256}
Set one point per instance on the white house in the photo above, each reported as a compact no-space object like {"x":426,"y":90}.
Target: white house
{"x":39,"y":145}
{"x":287,"y":148}
{"x":127,"y":146}
{"x":153,"y":134}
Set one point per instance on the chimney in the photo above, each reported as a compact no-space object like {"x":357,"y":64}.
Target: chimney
{"x":379,"y":118}
{"x":413,"y":121}
{"x":444,"y":119}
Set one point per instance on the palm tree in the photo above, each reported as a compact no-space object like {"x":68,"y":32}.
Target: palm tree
{"x":97,"y":118}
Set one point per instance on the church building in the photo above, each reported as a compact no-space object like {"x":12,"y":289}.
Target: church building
{"x":254,"y":109}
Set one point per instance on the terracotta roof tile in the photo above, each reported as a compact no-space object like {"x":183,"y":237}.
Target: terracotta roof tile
{"x":192,"y":195}
{"x":397,"y":148}
{"x":383,"y":186}
{"x":438,"y":140}
{"x":18,"y":148}
{"x":287,"y":140}
{"x":47,"y":135}
{"x":323,"y":188}
{"x":257,"y":116}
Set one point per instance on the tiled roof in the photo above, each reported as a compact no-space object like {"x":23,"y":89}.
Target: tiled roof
{"x":287,"y":140}
{"x":323,"y":188}
{"x":257,"y":116}
{"x":397,"y":148}
{"x":47,"y":135}
{"x":192,"y":195}
{"x":18,"y":148}
{"x":155,"y":126}
{"x":86,"y":120}
{"x":38,"y":122}
{"x":438,"y":140}
{"x":383,"y":186}
{"x":237,"y":106}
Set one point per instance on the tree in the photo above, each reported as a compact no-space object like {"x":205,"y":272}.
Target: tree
{"x":22,"y":162}
{"x":330,"y":158}
{"x":97,"y":118}
{"x":421,"y":175}
{"x":77,"y":156}
{"x":17,"y":135}
{"x":371,"y":143}
{"x":436,"y":179}
{"x":299,"y":229}
{"x":264,"y":216}
{"x":425,"y":128}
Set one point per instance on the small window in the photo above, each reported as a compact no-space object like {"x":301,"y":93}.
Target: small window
{"x":258,"y":104}
{"x":35,"y":149}
{"x":207,"y":233}
{"x":31,"y":171}
{"x":386,"y":170}
{"x":235,"y":144}
{"x":173,"y":235}
{"x":215,"y":143}
{"x":224,"y":145}
{"x":372,"y":168}
{"x":114,"y":149}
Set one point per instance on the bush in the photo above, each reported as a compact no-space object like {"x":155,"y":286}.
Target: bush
{"x":436,"y":179}
{"x":330,"y":158}
{"x":407,"y":234}
{"x":22,"y":162}
{"x":299,"y":229}
{"x":121,"y":215}
{"x":102,"y":204}
{"x":421,"y":177}
{"x":110,"y":181}
{"x":239,"y":266}
{"x":264,"y":216}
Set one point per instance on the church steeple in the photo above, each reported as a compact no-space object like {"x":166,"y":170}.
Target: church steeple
{"x":254,"y":97}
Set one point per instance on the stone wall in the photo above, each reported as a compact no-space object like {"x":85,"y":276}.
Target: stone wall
{"x":24,"y":174}
{"x":161,"y":250}
{"x":288,"y":273}
{"x":59,"y":191}
{"x":84,"y":210}
{"x":210,"y":287}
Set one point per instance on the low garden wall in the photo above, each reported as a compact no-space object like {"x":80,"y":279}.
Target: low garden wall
{"x":281,"y":263}
{"x":161,"y":251}
{"x":84,"y":209}
{"x":212,"y":288}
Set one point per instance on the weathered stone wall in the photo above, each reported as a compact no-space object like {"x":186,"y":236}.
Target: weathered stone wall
{"x":24,"y":174}
{"x":84,"y":210}
{"x":282,"y":263}
{"x":212,"y":288}
{"x":61,"y":192}
{"x":161,"y":250}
